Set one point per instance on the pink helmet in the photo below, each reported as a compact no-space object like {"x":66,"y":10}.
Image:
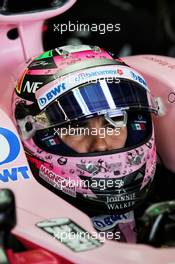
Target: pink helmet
{"x":72,"y":83}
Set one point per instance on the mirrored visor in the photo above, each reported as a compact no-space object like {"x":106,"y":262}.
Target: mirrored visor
{"x":95,"y":99}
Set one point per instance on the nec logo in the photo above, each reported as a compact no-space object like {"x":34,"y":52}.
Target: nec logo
{"x":32,"y":87}
{"x":51,"y":95}
{"x":10,"y":149}
{"x":29,"y":87}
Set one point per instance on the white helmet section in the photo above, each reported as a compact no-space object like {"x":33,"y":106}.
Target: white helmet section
{"x":54,"y":89}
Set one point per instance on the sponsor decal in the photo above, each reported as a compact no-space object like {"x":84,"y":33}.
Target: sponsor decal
{"x":51,"y":141}
{"x":72,"y":48}
{"x":39,"y":63}
{"x":120,"y":72}
{"x":32,"y":83}
{"x":13,"y":174}
{"x":11,"y":148}
{"x":138,"y":126}
{"x":120,"y":201}
{"x":138,"y":79}
{"x":44,"y":63}
{"x":121,"y":198}
{"x":109,"y":73}
{"x":45,"y":55}
{"x":57,"y":181}
{"x":31,"y":87}
{"x":106,"y":222}
{"x":51,"y":95}
{"x":100,"y":73}
{"x":69,"y":234}
{"x":159,"y":61}
{"x":120,"y":206}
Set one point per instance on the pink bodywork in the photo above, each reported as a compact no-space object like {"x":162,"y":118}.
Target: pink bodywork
{"x":159,"y":72}
{"x":34,"y":202}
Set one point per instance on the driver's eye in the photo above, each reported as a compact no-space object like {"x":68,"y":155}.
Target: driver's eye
{"x":108,"y":125}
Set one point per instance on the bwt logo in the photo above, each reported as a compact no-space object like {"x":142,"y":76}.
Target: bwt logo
{"x":43,"y":101}
{"x":10,"y":149}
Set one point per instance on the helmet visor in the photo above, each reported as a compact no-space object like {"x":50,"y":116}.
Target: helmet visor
{"x":95,"y":99}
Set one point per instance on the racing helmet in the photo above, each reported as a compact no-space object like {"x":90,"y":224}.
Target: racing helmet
{"x":69,"y":84}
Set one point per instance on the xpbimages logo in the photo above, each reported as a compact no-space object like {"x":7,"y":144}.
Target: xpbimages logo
{"x":10,"y":149}
{"x":51,"y":95}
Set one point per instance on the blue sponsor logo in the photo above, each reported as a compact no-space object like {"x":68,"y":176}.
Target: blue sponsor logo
{"x":86,"y":75}
{"x":138,"y":78}
{"x":14,"y":173}
{"x":10,"y":147}
{"x":106,"y":222}
{"x":51,"y":95}
{"x":14,"y":145}
{"x":109,"y":220}
{"x":42,"y":101}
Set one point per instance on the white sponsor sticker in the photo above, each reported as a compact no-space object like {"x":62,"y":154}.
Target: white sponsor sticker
{"x":66,"y":83}
{"x":57,"y":181}
{"x":72,"y":48}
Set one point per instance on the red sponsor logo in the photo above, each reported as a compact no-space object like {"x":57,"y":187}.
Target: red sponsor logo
{"x":119,"y":71}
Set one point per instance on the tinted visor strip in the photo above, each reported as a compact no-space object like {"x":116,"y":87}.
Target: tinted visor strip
{"x":90,"y":99}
